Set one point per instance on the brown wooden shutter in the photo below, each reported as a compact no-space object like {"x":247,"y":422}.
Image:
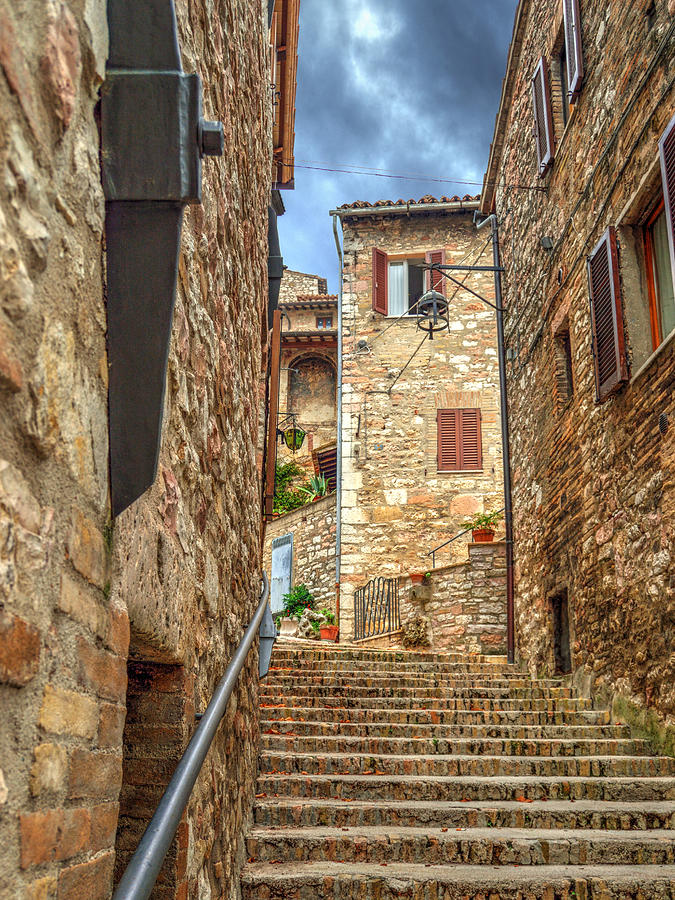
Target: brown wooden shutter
{"x":471,"y":451}
{"x":611,"y":368}
{"x":459,"y":439}
{"x":543,"y":120}
{"x":667,"y":154}
{"x":575,"y":59}
{"x":380,"y":289}
{"x":437,"y":283}
{"x":448,"y":447}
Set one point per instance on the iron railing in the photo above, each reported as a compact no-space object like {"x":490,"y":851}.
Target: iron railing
{"x":376,"y":609}
{"x":140,"y":875}
{"x":432,"y":553}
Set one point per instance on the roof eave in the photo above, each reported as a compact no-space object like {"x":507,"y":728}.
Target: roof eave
{"x":405,"y":209}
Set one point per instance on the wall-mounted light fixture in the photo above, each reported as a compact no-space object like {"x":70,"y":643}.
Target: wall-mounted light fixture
{"x":153,"y":138}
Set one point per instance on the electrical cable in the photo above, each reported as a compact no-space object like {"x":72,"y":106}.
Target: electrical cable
{"x":400,"y":176}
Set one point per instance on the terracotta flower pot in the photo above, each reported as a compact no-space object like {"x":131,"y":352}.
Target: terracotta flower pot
{"x":329,"y":632}
{"x":416,"y":577}
{"x":482,"y":535}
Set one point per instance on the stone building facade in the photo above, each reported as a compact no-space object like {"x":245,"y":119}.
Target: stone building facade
{"x":308,"y":375}
{"x":588,"y":252}
{"x":135,"y":618}
{"x":400,"y":498}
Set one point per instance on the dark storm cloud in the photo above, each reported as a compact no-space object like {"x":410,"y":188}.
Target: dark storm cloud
{"x":411,"y":86}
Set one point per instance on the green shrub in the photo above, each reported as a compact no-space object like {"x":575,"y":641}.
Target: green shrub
{"x":297,"y":601}
{"x":330,"y":616}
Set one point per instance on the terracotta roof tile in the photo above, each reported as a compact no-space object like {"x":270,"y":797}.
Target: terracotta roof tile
{"x":365,"y":204}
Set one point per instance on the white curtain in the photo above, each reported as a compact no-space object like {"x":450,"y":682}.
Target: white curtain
{"x":398,"y":288}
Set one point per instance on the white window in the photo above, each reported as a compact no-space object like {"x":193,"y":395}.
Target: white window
{"x":406,"y":286}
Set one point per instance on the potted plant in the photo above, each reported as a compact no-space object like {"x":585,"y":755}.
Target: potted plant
{"x":295,"y":603}
{"x":329,"y":631}
{"x":483,"y":526}
{"x":317,"y":487}
{"x":420,"y":577}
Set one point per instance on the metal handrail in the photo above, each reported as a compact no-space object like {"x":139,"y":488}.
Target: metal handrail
{"x":144,"y":866}
{"x":432,"y":553}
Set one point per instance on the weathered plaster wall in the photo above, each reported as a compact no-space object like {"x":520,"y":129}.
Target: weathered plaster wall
{"x":185,"y":559}
{"x":592,"y":483}
{"x":396,"y":506}
{"x":313,"y":529}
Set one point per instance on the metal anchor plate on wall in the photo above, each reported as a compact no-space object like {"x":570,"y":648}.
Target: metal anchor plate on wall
{"x":153,"y":139}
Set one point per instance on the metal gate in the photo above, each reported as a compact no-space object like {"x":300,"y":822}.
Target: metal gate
{"x":376,"y":609}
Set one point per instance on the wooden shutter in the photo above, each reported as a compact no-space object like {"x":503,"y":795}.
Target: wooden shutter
{"x":667,"y":154}
{"x":448,"y":445}
{"x":611,"y":368}
{"x":575,"y":59}
{"x":437,"y":283}
{"x":471,"y":451}
{"x":543,"y":120}
{"x":380,"y":288}
{"x":459,"y":439}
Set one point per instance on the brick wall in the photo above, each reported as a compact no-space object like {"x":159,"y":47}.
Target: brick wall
{"x":184,"y":562}
{"x":592,"y":483}
{"x":396,"y":505}
{"x":465,"y":602}
{"x":313,"y":530}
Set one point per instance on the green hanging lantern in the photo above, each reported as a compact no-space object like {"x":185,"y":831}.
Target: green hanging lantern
{"x":294,"y":437}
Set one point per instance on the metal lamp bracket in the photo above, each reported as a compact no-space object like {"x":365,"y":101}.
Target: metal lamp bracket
{"x":153,"y":139}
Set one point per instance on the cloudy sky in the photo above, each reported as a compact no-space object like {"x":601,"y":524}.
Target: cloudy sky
{"x":403,"y":86}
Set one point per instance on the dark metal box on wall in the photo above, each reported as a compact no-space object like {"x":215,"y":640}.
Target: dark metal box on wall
{"x":153,"y":139}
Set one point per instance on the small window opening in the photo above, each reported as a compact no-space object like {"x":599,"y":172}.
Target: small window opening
{"x":561,"y":634}
{"x":564,"y":84}
{"x":659,"y":275}
{"x":406,"y":286}
{"x":324,"y":322}
{"x":564,"y":380}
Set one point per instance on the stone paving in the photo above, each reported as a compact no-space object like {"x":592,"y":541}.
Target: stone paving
{"x":387,"y":774}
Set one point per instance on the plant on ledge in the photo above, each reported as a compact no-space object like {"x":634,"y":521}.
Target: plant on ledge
{"x":317,"y":486}
{"x":286,"y":497}
{"x":415,"y":633}
{"x":484,"y":525}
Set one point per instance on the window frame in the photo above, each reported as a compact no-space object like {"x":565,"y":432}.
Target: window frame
{"x":404,"y":259}
{"x":656,"y":324}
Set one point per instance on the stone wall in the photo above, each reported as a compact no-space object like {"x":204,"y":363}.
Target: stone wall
{"x":183,"y":563}
{"x":396,"y":506}
{"x":592,"y":483}
{"x":465,"y":602}
{"x":313,"y":530}
{"x":298,"y":283}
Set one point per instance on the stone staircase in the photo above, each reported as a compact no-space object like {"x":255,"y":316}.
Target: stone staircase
{"x":433,"y":776}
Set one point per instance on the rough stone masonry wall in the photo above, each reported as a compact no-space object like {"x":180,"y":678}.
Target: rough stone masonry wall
{"x":396,"y":507}
{"x":185,"y":559}
{"x":297,"y":283}
{"x":464,"y":602}
{"x":313,"y":529}
{"x":592,"y":484}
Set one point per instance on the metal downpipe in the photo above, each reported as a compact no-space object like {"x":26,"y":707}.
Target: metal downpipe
{"x":338,"y":460}
{"x":506,"y":453}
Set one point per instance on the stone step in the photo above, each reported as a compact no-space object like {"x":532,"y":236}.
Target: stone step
{"x":462,"y":746}
{"x":341,"y":654}
{"x":462,"y":846}
{"x":435,"y":716}
{"x":496,"y":788}
{"x":453,"y":765}
{"x":359,"y":881}
{"x":424,"y":698}
{"x":353,"y":680}
{"x":463,"y":665}
{"x":380,"y":728}
{"x":551,"y":814}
